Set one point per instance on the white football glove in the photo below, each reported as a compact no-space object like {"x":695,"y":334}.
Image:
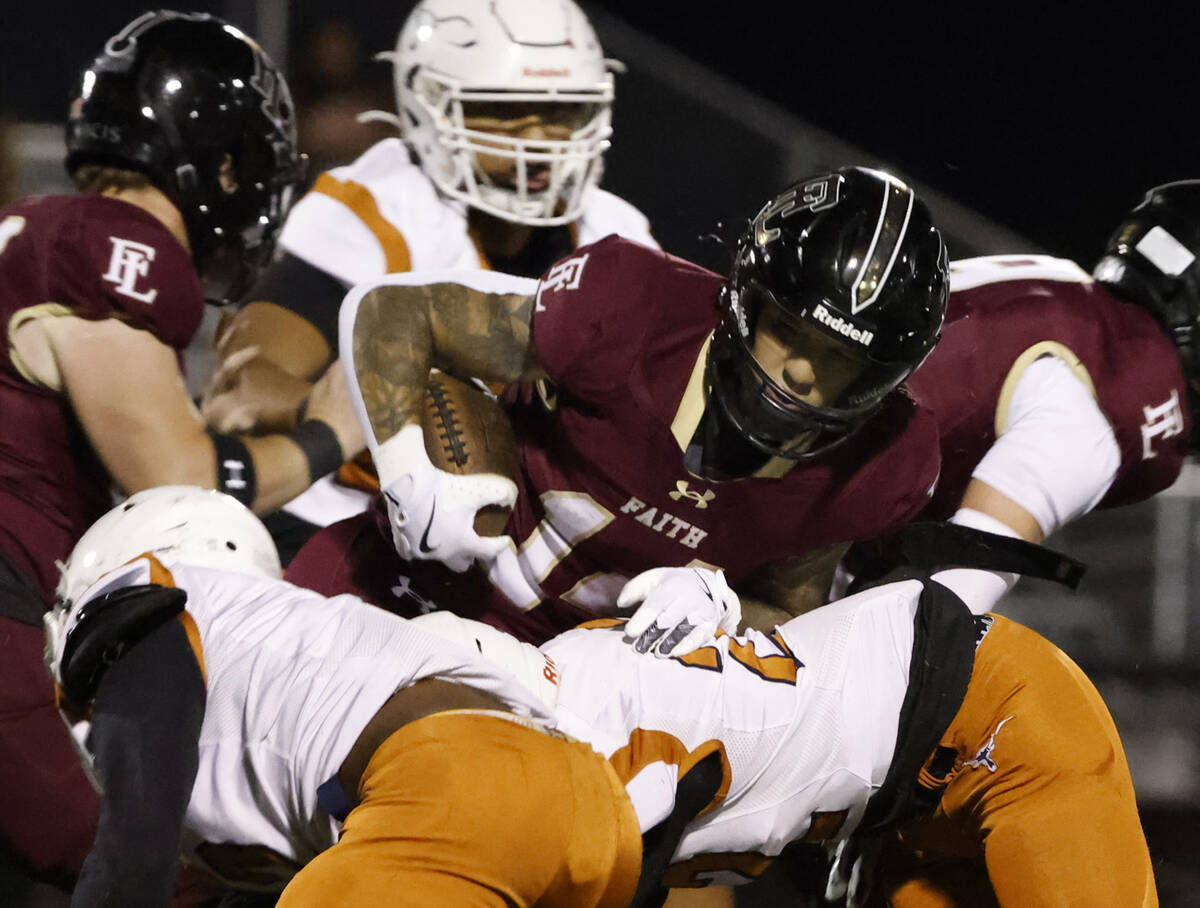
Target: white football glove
{"x":432,"y":512}
{"x":681,"y":609}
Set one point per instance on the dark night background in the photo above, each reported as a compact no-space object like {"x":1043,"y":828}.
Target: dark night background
{"x":1050,"y":122}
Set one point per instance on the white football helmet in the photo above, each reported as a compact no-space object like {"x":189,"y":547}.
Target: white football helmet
{"x":483,"y":54}
{"x":181,"y":523}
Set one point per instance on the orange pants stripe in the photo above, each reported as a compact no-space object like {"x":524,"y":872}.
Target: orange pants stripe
{"x":469,"y":808}
{"x":1040,"y":809}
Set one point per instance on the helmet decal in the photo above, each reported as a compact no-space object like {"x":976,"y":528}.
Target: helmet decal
{"x":885,"y":246}
{"x":814,"y":195}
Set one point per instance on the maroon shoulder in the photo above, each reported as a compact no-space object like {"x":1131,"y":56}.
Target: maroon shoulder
{"x":897,"y":482}
{"x":594,"y":310}
{"x":113,"y":258}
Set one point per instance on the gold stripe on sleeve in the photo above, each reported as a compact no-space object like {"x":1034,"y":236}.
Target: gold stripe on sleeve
{"x":358,"y":199}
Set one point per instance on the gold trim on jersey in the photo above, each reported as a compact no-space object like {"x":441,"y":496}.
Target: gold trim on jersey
{"x":22,"y":317}
{"x":163,"y":577}
{"x":1023,"y":362}
{"x":358,"y":198}
{"x":647,"y":746}
{"x":691,"y":405}
{"x":691,"y":409}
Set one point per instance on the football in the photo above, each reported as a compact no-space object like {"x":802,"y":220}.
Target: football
{"x":466,"y":431}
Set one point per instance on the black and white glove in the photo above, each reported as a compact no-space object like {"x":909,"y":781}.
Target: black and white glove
{"x":432,"y":512}
{"x":680,"y":609}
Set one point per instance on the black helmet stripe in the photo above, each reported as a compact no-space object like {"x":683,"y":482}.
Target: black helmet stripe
{"x":886,"y":244}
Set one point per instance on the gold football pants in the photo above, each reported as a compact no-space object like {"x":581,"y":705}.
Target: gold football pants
{"x":469,"y":808}
{"x":1040,"y":808}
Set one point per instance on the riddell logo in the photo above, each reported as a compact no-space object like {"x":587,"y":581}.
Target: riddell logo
{"x":841,"y":326}
{"x":546,"y":72}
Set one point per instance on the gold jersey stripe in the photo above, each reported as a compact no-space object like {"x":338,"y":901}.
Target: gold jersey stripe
{"x":358,"y":199}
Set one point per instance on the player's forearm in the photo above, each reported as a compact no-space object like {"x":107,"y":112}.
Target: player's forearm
{"x":392,"y":354}
{"x":399,"y":332}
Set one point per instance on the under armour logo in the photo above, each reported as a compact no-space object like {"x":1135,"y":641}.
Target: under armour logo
{"x":700,"y":499}
{"x":984,"y":757}
{"x":129,"y":262}
{"x":1165,"y":420}
{"x":234,"y":477}
{"x":404,"y":588}
{"x":563,"y":276}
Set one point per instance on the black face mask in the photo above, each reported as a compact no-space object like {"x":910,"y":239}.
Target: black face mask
{"x":718,"y":452}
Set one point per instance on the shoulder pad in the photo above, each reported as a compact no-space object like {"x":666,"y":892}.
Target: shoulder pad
{"x":106,"y":627}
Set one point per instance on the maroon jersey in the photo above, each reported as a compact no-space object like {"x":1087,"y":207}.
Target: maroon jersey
{"x":1004,"y":312}
{"x":604,"y":495}
{"x":97,"y":258}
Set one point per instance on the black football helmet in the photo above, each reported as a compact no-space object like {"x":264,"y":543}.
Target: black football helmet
{"x":852,"y":254}
{"x":1152,"y":261}
{"x":176,"y":95}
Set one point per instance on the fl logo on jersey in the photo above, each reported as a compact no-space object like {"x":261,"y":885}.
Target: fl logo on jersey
{"x":1163,"y":421}
{"x":563,"y":276}
{"x":130,"y":262}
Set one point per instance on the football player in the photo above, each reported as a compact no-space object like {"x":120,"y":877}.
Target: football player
{"x":754,"y":422}
{"x":255,"y":724}
{"x":931,"y":745}
{"x":504,"y":113}
{"x":181,"y":141}
{"x":1057,"y":392}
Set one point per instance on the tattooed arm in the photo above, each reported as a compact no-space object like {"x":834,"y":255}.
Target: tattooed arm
{"x":392,"y":334}
{"x":402,"y":331}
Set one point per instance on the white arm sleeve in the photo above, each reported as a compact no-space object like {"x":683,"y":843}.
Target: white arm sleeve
{"x":980,"y":590}
{"x":1057,"y":456}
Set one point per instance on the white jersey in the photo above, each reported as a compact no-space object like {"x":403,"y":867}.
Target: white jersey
{"x":806,"y":719}
{"x":292,"y":678}
{"x":381,"y":215}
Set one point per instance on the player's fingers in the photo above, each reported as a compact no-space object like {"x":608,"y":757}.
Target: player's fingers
{"x":691,"y":641}
{"x":500,"y":490}
{"x":489,"y":548}
{"x":677,"y":634}
{"x":648,"y":638}
{"x":638,"y":588}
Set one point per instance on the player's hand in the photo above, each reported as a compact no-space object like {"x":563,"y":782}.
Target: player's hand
{"x":249,"y":394}
{"x":680,"y":609}
{"x":432,"y":512}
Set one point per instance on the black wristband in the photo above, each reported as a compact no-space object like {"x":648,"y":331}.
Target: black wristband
{"x":235,"y":468}
{"x":320,"y":446}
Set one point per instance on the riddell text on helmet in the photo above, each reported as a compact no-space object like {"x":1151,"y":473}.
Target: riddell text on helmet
{"x":841,"y":326}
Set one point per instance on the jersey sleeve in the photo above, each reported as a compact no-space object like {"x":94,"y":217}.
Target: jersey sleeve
{"x":592,"y":312}
{"x":1057,"y":455}
{"x":112,"y":260}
